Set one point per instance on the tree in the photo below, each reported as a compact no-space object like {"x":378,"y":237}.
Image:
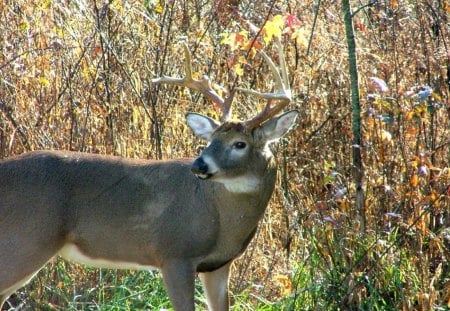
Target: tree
{"x":358,"y":168}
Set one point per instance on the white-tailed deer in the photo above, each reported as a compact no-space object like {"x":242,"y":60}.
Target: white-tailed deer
{"x":181,"y":216}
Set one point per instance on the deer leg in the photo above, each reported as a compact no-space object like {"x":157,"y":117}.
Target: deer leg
{"x":215,"y":284}
{"x":2,"y":300}
{"x":6,"y":292}
{"x":179,"y":277}
{"x":19,"y":265}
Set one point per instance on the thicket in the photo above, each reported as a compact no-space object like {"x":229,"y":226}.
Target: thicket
{"x":76,"y":75}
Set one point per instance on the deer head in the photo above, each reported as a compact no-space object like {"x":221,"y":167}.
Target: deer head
{"x":234,"y":148}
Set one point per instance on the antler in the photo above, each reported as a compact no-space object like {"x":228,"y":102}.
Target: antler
{"x":282,"y":90}
{"x":203,"y":86}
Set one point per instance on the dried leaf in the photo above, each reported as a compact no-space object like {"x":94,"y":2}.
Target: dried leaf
{"x":414,"y":182}
{"x":284,"y":283}
{"x":385,"y":135}
{"x":380,"y":84}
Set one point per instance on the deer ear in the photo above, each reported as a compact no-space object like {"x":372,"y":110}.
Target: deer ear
{"x":202,"y":126}
{"x":277,"y":127}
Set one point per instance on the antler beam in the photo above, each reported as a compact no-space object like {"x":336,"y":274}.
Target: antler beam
{"x":203,"y":85}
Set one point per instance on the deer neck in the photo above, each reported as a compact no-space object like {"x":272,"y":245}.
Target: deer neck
{"x":244,"y":200}
{"x":238,"y":216}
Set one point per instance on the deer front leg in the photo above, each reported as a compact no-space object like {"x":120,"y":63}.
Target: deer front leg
{"x":179,"y":277}
{"x":215,"y":284}
{"x":2,"y":300}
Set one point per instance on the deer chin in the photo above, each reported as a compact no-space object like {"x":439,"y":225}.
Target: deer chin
{"x":204,"y":176}
{"x":237,"y":184}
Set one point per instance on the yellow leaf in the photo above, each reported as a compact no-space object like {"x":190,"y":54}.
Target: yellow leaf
{"x":24,"y":26}
{"x":383,"y":103}
{"x":415,"y":162}
{"x":135,"y":117}
{"x":242,"y":60}
{"x":436,"y":97}
{"x":159,"y":8}
{"x":274,"y":28}
{"x":44,"y":81}
{"x":118,"y":6}
{"x":45,"y":4}
{"x":421,"y":109}
{"x":301,"y":37}
{"x":238,"y":69}
{"x":235,"y":40}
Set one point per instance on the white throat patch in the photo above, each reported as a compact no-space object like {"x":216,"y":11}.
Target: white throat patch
{"x":242,"y":184}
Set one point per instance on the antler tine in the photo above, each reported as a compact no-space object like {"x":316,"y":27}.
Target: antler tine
{"x":282,"y":90}
{"x":226,"y":107}
{"x":203,"y":85}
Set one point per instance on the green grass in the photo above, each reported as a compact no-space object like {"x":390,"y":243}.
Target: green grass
{"x":377,"y":275}
{"x":337,"y":270}
{"x":64,"y":286}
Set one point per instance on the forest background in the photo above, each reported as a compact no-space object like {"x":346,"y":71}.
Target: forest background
{"x":76,"y":75}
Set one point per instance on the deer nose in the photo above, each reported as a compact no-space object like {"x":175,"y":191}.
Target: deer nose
{"x":200,"y":168}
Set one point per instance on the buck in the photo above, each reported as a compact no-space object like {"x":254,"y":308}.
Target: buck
{"x":181,"y":216}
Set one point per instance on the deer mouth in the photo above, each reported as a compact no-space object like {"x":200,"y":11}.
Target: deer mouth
{"x":203,"y":176}
{"x":202,"y":168}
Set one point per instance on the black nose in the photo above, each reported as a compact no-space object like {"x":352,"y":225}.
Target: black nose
{"x":199,"y":167}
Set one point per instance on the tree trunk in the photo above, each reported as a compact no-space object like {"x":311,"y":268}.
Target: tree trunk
{"x":357,"y":169}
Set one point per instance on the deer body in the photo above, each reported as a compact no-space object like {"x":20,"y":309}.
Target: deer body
{"x":119,"y":213}
{"x":126,"y":211}
{"x":181,"y":216}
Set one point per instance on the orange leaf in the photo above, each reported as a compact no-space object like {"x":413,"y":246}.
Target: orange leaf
{"x":255,"y":45}
{"x":412,"y":131}
{"x":284,"y":283}
{"x":414,"y":182}
{"x":410,"y":115}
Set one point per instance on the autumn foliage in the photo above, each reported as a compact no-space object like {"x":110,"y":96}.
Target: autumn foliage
{"x":76,"y":75}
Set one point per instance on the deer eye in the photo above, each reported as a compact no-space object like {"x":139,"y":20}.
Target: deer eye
{"x":239,"y":145}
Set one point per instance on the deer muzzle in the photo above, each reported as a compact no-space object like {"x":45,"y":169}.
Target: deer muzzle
{"x":200,"y":168}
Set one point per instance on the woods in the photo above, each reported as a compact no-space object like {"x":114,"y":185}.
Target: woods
{"x":77,"y":75}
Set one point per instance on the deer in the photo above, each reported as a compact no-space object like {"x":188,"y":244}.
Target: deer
{"x":184,"y":217}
